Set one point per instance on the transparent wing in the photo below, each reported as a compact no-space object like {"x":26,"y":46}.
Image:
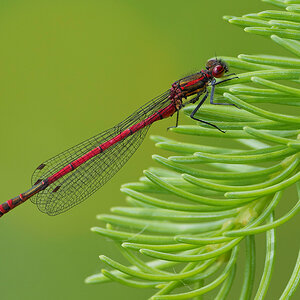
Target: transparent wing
{"x":76,"y":186}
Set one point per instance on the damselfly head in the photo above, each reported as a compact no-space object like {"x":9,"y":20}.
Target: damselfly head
{"x":217,"y":67}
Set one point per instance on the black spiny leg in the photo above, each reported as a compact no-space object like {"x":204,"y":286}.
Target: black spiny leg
{"x":177,"y":119}
{"x":197,"y":108}
{"x":213,"y":84}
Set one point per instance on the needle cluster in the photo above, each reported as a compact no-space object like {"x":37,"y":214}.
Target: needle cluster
{"x":188,"y":218}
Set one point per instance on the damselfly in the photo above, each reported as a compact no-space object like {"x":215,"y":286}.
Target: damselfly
{"x":70,"y":177}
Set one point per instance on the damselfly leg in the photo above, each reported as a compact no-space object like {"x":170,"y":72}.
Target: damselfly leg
{"x":177,"y":120}
{"x":213,"y":84}
{"x":212,"y":93}
{"x":202,"y":121}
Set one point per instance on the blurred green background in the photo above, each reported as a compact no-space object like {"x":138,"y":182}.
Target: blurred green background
{"x":70,"y":69}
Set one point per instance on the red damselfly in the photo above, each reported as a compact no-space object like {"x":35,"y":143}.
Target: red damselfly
{"x":67,"y":179}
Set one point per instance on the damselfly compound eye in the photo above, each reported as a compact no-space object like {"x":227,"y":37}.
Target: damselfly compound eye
{"x":218,"y":71}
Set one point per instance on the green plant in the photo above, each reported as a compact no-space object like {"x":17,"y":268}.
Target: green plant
{"x":192,"y":216}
